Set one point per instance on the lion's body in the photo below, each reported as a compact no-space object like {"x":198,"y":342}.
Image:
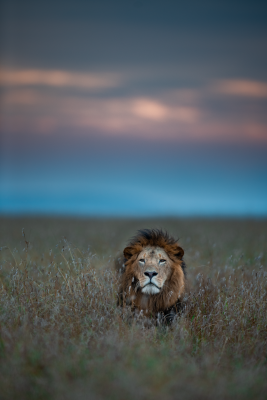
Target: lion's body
{"x":153,"y":279}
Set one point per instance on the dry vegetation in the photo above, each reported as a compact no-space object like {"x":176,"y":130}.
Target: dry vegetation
{"x":63,"y":337}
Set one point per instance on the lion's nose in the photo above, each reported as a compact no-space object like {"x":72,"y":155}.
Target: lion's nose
{"x":151,"y":274}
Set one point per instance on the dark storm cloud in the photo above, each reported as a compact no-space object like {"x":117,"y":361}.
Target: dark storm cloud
{"x":190,"y":41}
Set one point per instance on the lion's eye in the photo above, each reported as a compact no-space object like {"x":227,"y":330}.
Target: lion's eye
{"x":142,"y":261}
{"x":162,"y":261}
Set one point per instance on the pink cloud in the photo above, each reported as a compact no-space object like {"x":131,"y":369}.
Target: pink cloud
{"x":180,"y":114}
{"x":58,"y":78}
{"x":36,"y":112}
{"x":245,"y":88}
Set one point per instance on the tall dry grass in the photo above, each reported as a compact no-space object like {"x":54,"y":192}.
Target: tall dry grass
{"x":63,"y":337}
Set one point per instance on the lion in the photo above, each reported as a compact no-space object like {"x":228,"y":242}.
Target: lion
{"x":153,"y":279}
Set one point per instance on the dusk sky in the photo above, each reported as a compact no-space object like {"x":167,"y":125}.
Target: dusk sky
{"x":133,"y":108}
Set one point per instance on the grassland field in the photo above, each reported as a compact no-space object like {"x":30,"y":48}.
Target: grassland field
{"x":62,"y":335}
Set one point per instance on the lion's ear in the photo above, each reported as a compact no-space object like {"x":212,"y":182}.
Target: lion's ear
{"x":128,"y":252}
{"x":179,"y":252}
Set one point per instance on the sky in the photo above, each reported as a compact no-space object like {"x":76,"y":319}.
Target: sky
{"x":133,"y":108}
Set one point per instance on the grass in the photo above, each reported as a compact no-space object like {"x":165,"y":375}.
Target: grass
{"x":63,"y":337}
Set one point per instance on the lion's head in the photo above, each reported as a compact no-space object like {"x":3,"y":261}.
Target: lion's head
{"x":154,"y":278}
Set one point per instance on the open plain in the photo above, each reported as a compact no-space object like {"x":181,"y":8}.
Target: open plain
{"x":62,"y":335}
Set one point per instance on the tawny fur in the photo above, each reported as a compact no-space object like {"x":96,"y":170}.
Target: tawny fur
{"x":173,"y":288}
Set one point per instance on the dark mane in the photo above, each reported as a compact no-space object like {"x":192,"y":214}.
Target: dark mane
{"x":152,"y":237}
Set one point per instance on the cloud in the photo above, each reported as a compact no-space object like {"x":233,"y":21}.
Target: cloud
{"x":58,"y":78}
{"x":243,"y":88}
{"x":149,"y":109}
{"x":30,"y":108}
{"x":179,"y":113}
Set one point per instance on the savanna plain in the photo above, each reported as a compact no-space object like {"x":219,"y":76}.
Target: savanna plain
{"x":62,"y":335}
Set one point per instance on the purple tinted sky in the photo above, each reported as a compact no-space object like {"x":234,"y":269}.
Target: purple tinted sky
{"x":133,"y":108}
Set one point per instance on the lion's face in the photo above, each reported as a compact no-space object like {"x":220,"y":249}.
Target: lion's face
{"x":153,"y":279}
{"x":152,"y":269}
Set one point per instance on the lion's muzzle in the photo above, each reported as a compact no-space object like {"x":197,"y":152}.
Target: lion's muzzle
{"x":151,"y":285}
{"x":150,"y":274}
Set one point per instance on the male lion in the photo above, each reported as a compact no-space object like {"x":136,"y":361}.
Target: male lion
{"x":154,"y":276}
